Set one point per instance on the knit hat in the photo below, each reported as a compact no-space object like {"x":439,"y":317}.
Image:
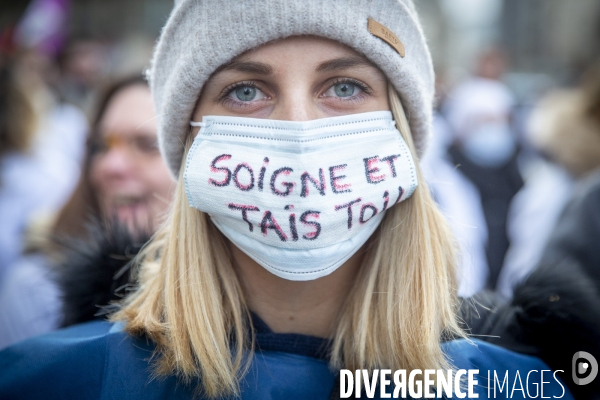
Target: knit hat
{"x":201,"y":35}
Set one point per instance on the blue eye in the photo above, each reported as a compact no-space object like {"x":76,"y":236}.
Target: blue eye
{"x":344,"y":89}
{"x":245,"y":93}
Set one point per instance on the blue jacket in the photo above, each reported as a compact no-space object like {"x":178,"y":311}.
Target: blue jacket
{"x":98,"y":360}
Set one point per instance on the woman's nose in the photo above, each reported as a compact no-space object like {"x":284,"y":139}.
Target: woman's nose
{"x":117,"y":162}
{"x":296,"y":104}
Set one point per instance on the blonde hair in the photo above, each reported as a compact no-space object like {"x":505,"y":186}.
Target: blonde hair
{"x":404,"y":300}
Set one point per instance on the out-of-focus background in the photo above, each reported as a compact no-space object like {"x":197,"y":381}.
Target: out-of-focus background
{"x":547,"y":42}
{"x":513,"y":160}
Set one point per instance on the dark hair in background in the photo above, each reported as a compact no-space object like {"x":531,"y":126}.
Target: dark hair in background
{"x":83,"y":204}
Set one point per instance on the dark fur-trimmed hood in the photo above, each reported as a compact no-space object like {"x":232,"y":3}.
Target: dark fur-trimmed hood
{"x":553,"y":314}
{"x":96,"y":271}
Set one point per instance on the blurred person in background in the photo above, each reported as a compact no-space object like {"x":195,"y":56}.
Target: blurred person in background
{"x":547,"y":301}
{"x":37,"y":176}
{"x":41,"y":151}
{"x":124,"y":182}
{"x":485,"y":150}
{"x":575,"y":240}
{"x":84,"y":64}
{"x":565,"y":130}
{"x":460,"y":203}
{"x":548,"y":294}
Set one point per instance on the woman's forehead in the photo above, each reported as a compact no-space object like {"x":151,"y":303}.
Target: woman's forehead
{"x":130,"y":108}
{"x":312,"y":52}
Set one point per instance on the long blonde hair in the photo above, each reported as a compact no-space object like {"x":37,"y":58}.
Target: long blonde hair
{"x":403,"y":302}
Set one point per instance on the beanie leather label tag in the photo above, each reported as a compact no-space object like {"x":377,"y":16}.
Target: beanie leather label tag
{"x":383,"y":33}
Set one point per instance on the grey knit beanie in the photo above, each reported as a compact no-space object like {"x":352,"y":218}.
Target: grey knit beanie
{"x":201,"y":35}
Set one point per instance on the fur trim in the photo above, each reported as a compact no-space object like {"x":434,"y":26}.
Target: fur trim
{"x":554,"y":313}
{"x":97,"y":271}
{"x":559,"y":311}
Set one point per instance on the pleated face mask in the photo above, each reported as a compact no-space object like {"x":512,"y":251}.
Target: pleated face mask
{"x":299,"y":198}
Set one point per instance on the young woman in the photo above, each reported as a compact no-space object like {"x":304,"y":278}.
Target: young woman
{"x":125,"y":181}
{"x":301,"y":240}
{"x":124,"y":175}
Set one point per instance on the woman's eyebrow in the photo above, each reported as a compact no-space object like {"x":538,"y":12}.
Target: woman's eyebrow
{"x":343,"y":63}
{"x":252,"y":67}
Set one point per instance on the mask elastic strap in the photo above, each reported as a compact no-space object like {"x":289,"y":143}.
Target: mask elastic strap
{"x":194,"y":123}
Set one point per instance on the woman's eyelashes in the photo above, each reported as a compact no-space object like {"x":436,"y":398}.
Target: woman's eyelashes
{"x":346,"y":89}
{"x":241,"y":94}
{"x":249,"y":94}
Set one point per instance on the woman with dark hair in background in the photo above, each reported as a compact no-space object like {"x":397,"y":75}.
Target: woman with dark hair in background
{"x":124,"y":189}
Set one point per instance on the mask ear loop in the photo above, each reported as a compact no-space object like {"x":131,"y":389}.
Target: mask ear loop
{"x":200,"y":124}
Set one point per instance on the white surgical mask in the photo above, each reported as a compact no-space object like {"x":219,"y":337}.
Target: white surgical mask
{"x":299,"y":198}
{"x":491,"y":145}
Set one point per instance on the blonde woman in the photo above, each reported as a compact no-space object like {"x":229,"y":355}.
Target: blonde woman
{"x":302,"y":240}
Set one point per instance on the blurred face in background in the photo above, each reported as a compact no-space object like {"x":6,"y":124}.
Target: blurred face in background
{"x":127,"y":173}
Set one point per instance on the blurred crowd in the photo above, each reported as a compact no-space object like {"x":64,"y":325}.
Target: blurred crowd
{"x":83,"y":186}
{"x":505,"y":182}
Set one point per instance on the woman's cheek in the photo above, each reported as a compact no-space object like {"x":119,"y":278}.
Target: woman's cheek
{"x":98,"y":185}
